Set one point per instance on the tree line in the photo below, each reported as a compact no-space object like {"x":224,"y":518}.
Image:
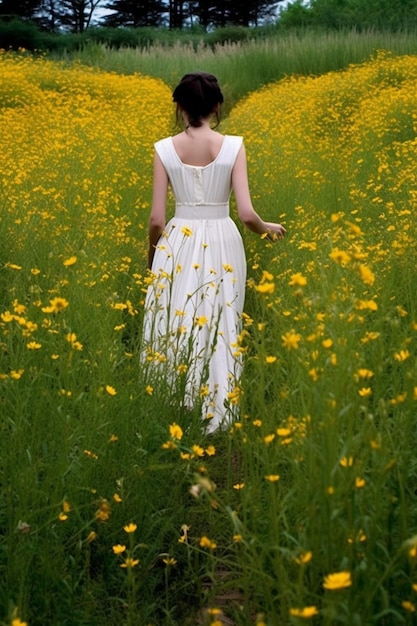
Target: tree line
{"x":76,"y":16}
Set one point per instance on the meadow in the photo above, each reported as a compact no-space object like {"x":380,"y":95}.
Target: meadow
{"x":115,"y":506}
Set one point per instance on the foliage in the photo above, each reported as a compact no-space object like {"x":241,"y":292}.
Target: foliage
{"x":126,"y":511}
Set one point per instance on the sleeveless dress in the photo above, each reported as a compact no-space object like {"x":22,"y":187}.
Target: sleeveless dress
{"x":195,"y":297}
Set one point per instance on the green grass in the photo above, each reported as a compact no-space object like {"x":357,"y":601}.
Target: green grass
{"x":243,"y":67}
{"x":318,"y":476}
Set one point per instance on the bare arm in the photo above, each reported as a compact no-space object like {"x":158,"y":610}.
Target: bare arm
{"x":245,"y":209}
{"x":156,"y":223}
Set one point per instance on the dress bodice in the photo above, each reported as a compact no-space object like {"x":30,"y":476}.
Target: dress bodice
{"x":200,"y":186}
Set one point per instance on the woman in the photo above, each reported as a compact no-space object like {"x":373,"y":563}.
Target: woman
{"x":195,"y":300}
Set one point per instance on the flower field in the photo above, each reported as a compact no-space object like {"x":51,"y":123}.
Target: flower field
{"x":115,"y":507}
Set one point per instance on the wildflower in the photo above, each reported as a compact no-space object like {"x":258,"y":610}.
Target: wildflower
{"x":205,"y":542}
{"x":359,"y":482}
{"x":227,"y":267}
{"x":297,"y":280}
{"x":92,"y":536}
{"x":111,"y":390}
{"x":186,"y":231}
{"x":305,"y":613}
{"x":129,"y":563}
{"x":175,"y":431}
{"x":291,"y":340}
{"x":169,"y":561}
{"x":346,"y":461}
{"x":270,"y":359}
{"x":197,"y":450}
{"x":149,"y":390}
{"x":16,"y":374}
{"x":130,"y":528}
{"x":118,"y":549}
{"x":184,"y":536}
{"x":408,"y":606}
{"x":363,"y":373}
{"x":117,"y":498}
{"x":273,"y":478}
{"x":33,"y":345}
{"x":16,"y":621}
{"x":327,"y":343}
{"x":237,"y":538}
{"x":366,"y":274}
{"x":365,"y":392}
{"x":340,"y":256}
{"x":338,"y":580}
{"x":269,"y":438}
{"x":72,"y":339}
{"x":402,"y":355}
{"x":56,"y":305}
{"x":200,"y":321}
{"x":210,"y":450}
{"x":304,"y":558}
{"x":103,"y":512}
{"x":266,"y":288}
{"x":70,"y":261}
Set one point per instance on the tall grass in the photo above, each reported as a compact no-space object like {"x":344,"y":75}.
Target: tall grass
{"x":115,"y":506}
{"x":243,"y":67}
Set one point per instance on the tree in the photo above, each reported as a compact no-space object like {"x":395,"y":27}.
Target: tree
{"x":77,"y":14}
{"x":132,"y":13}
{"x":26,"y":9}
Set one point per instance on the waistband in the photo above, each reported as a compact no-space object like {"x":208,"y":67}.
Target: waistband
{"x":202,"y":211}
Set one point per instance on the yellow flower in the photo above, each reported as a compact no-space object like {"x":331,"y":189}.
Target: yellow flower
{"x":200,"y":321}
{"x":265,"y":288}
{"x":291,"y":340}
{"x":402,"y":355}
{"x":197,"y":450}
{"x":365,"y":392}
{"x":304,"y":558}
{"x":71,"y":261}
{"x":273,"y":478}
{"x":298,"y":280}
{"x":169,"y":561}
{"x":340,"y":256}
{"x":408,"y":606}
{"x":56,"y":305}
{"x":270,"y":359}
{"x":34,"y":345}
{"x":111,"y":390}
{"x":118,"y":549}
{"x":92,"y":536}
{"x":175,"y":431}
{"x":359,"y":482}
{"x":16,"y":374}
{"x":130,"y":528}
{"x":205,"y":542}
{"x":186,"y":231}
{"x":338,"y":580}
{"x":149,"y":390}
{"x":346,"y":461}
{"x":366,"y":275}
{"x":16,"y":621}
{"x":130,"y":562}
{"x":227,"y":267}
{"x":305,"y":613}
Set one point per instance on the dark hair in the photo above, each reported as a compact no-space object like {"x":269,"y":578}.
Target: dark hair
{"x":199,"y":95}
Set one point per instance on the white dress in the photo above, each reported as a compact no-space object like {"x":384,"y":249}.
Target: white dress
{"x":195,"y":299}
